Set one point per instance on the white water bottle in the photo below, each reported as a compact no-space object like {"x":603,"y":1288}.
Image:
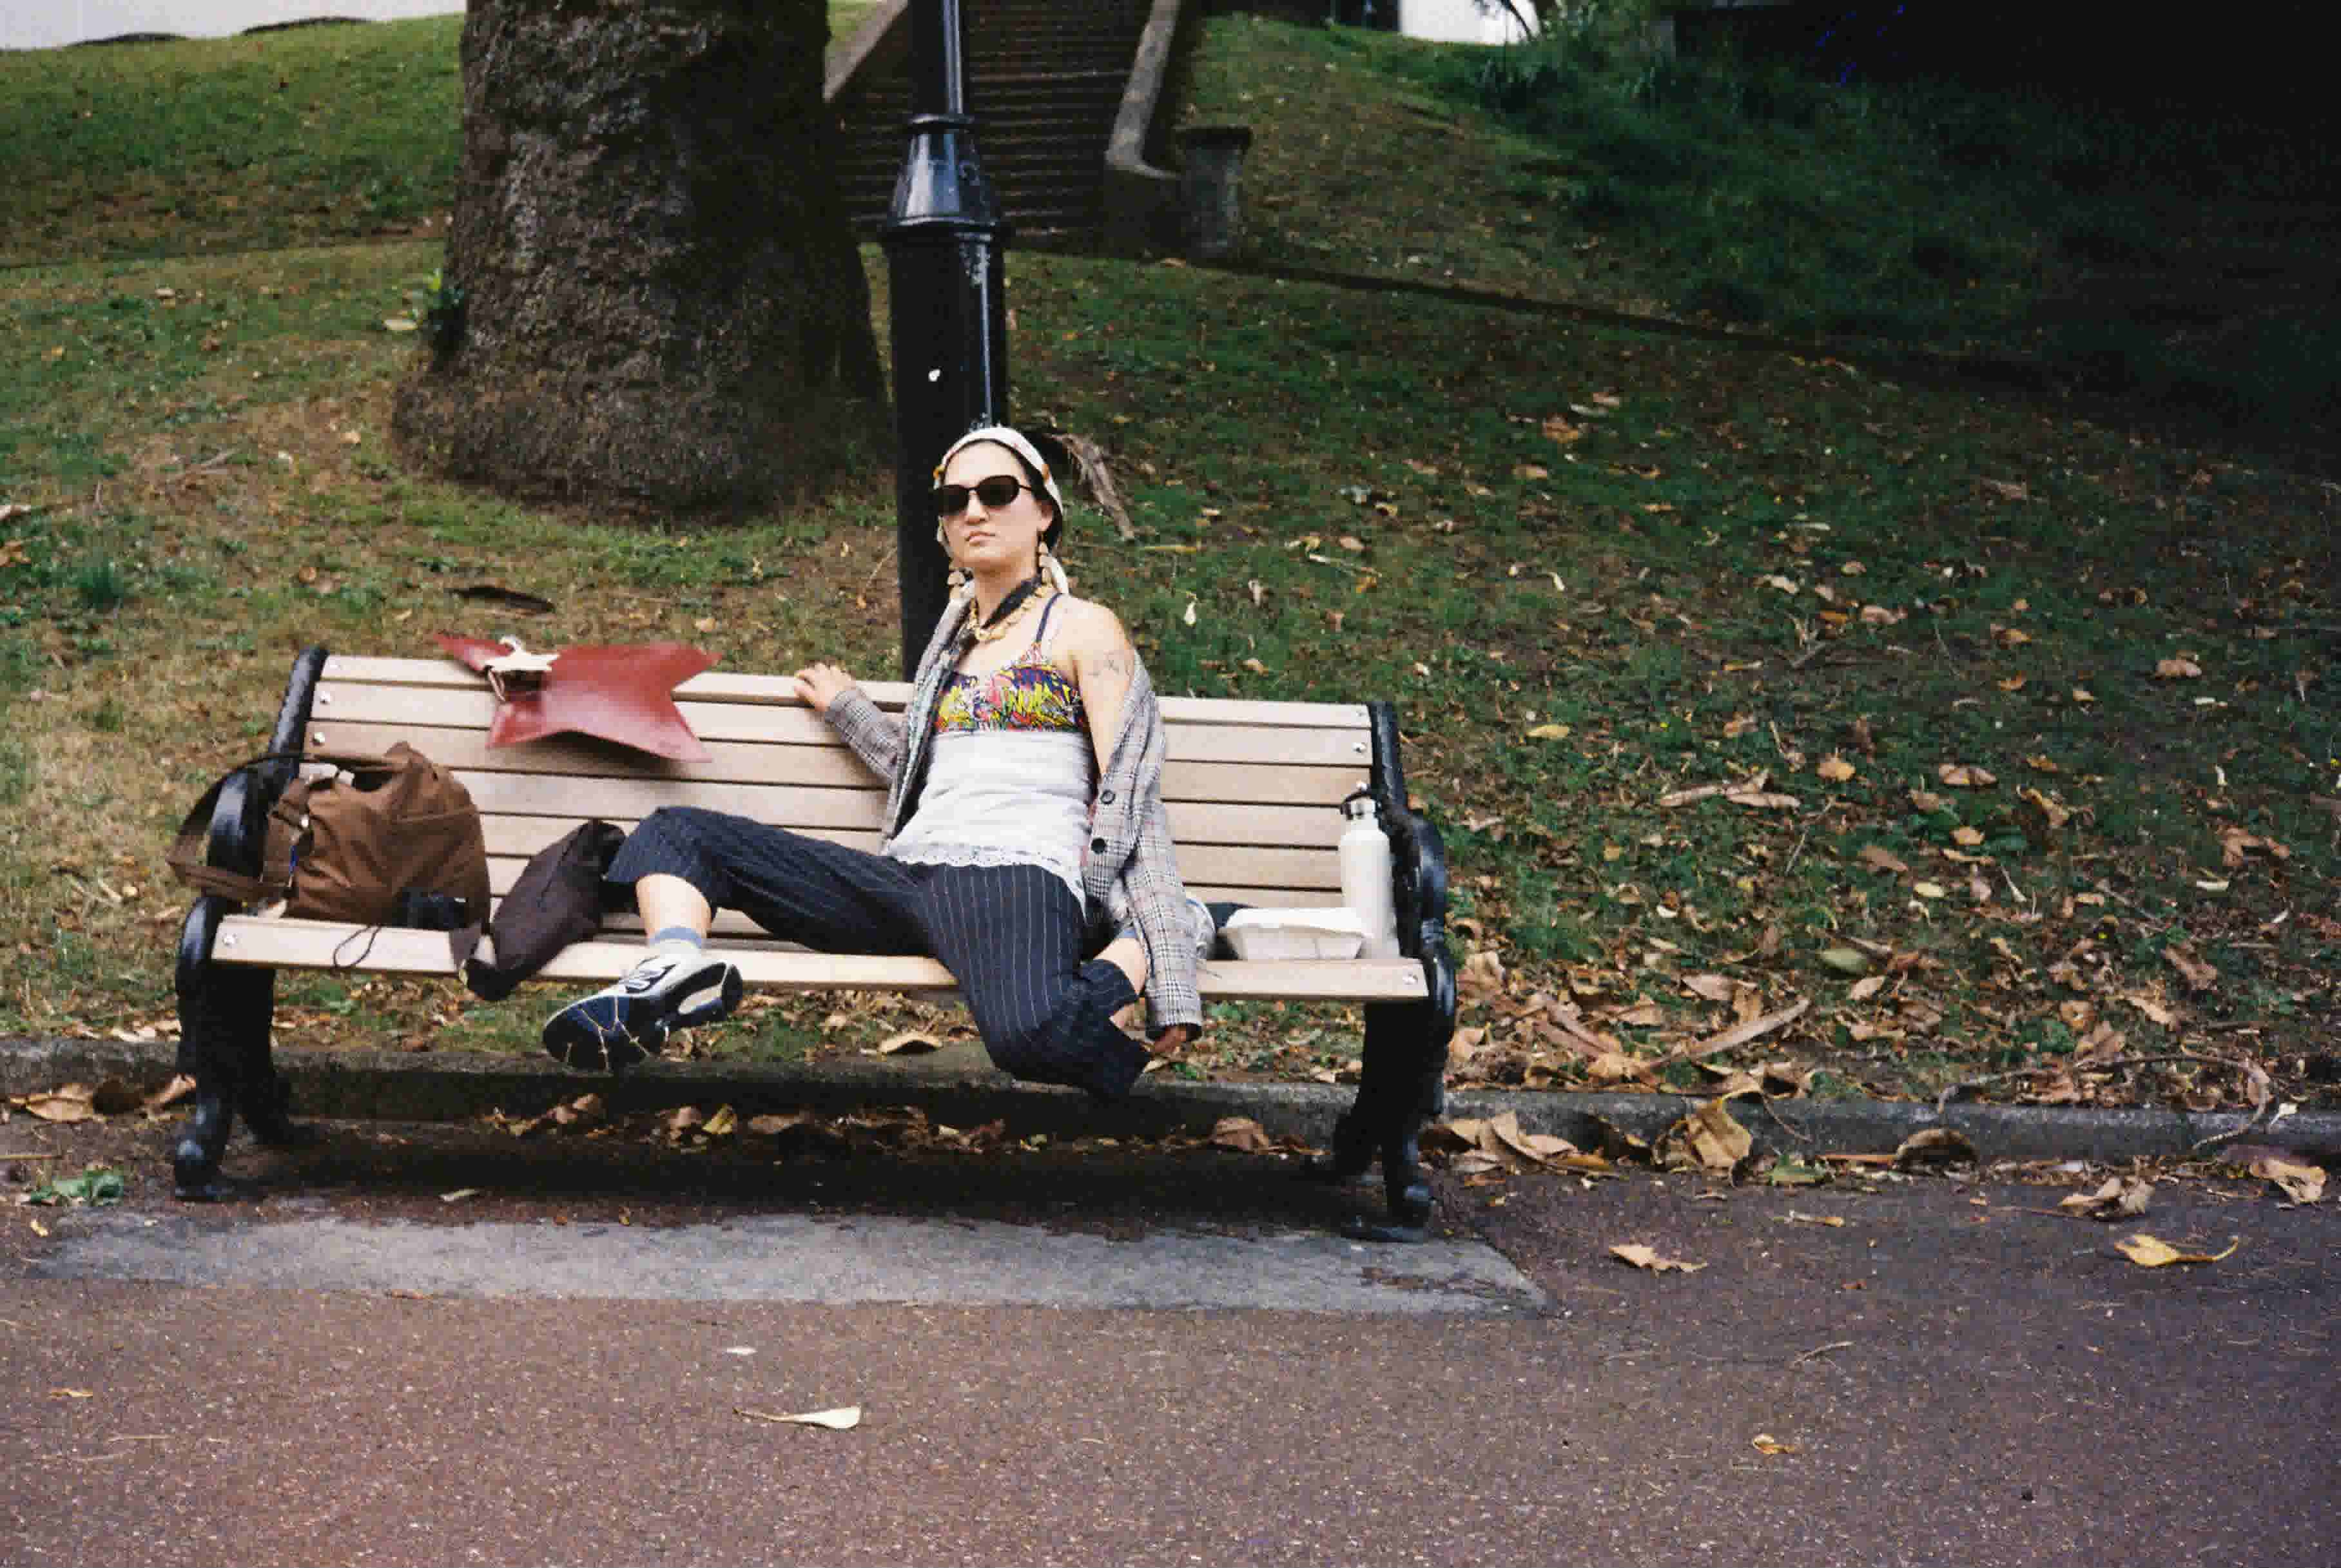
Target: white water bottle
{"x":1365,"y":855}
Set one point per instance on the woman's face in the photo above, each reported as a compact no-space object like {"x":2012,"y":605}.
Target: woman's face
{"x":1003,"y":537}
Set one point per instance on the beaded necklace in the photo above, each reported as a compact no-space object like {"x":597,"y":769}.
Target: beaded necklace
{"x":1013,"y":609}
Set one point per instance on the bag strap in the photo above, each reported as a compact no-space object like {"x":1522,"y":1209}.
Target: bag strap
{"x":190,"y":847}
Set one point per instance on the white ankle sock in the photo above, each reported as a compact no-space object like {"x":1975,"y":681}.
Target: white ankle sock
{"x":677,"y":940}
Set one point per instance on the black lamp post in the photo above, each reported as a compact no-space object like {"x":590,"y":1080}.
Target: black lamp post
{"x":944,"y":239}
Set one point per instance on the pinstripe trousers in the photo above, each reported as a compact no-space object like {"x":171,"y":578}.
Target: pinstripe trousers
{"x":1012,"y":936}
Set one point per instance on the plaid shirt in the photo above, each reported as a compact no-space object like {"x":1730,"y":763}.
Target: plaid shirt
{"x":1131,"y":875}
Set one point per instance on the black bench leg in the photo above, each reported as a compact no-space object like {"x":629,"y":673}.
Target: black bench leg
{"x":204,"y":1054}
{"x":1401,"y":1086}
{"x":225,"y":1013}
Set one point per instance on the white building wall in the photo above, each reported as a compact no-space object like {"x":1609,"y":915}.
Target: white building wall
{"x":1456,"y":22}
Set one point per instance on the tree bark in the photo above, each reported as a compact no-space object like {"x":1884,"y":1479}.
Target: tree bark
{"x":661,"y":304}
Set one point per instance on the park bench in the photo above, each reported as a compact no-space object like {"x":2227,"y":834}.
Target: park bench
{"x":1252,"y":789}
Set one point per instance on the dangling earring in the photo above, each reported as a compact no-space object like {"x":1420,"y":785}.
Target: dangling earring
{"x":1055,"y":573}
{"x":956,"y":577}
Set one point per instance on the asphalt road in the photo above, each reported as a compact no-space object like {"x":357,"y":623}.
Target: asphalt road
{"x":572,"y":1364}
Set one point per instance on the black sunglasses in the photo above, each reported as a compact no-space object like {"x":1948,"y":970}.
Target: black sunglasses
{"x":995,"y":492}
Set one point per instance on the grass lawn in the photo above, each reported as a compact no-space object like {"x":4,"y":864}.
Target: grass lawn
{"x":1997,"y":738}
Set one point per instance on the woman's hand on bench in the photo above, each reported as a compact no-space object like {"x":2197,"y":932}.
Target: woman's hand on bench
{"x":822,"y":684}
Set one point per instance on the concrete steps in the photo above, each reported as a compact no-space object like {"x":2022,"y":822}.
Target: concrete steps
{"x":1044,"y":81}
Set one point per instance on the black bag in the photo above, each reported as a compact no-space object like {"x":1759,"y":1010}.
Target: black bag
{"x":557,"y":900}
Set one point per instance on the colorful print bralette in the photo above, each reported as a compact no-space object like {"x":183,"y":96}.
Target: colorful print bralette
{"x":1029,"y":695}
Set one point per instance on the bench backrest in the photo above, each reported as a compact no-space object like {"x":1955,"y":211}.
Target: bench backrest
{"x":1253,"y":789}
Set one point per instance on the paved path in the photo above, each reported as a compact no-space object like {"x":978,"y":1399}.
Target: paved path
{"x":1947,"y":1376}
{"x":865,"y":1260}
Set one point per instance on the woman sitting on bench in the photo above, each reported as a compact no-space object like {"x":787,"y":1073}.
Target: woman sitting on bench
{"x":1025,"y":845}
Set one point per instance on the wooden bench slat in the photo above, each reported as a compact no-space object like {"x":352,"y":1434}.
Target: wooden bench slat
{"x":247,"y":939}
{"x":797,"y":806}
{"x":830,"y":765}
{"x":1213,"y":864}
{"x":341,"y":708}
{"x":503,"y":870}
{"x":732,"y":686}
{"x":572,"y":756}
{"x":730,"y":924}
{"x":574,"y":800}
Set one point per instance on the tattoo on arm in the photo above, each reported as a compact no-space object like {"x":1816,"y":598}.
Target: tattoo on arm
{"x":1121,"y":663}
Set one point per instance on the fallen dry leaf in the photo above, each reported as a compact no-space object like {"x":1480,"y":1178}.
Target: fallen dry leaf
{"x":1646,"y":1257}
{"x":66,"y":1102}
{"x":1834,"y":768}
{"x":1708,"y":1138}
{"x":2177,"y":670}
{"x":2047,"y":814}
{"x":2121,"y":1197}
{"x":1241,"y":1134}
{"x":1616,"y":1067}
{"x":2199,"y":975}
{"x":180,"y":1086}
{"x":1464,"y":1044}
{"x":1879,"y":858}
{"x":1935,"y":1146}
{"x":1765,"y":1443}
{"x":2235,"y":846}
{"x":2299,"y":1180}
{"x":844,"y":1418}
{"x":1481,"y":978}
{"x":1753,"y":1028}
{"x":1964,"y":776}
{"x":1763,"y":799}
{"x":2152,"y":1252}
{"x":1714,"y":987}
{"x":909,"y":1042}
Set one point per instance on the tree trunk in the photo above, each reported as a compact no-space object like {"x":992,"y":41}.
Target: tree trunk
{"x":661,"y":306}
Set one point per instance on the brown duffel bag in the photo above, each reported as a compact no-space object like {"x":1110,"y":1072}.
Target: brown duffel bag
{"x":345,"y":846}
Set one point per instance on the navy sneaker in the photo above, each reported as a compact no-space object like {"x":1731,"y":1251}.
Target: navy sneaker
{"x":616,"y":1028}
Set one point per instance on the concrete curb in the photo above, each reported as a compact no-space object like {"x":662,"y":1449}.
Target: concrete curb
{"x":402,"y":1087}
